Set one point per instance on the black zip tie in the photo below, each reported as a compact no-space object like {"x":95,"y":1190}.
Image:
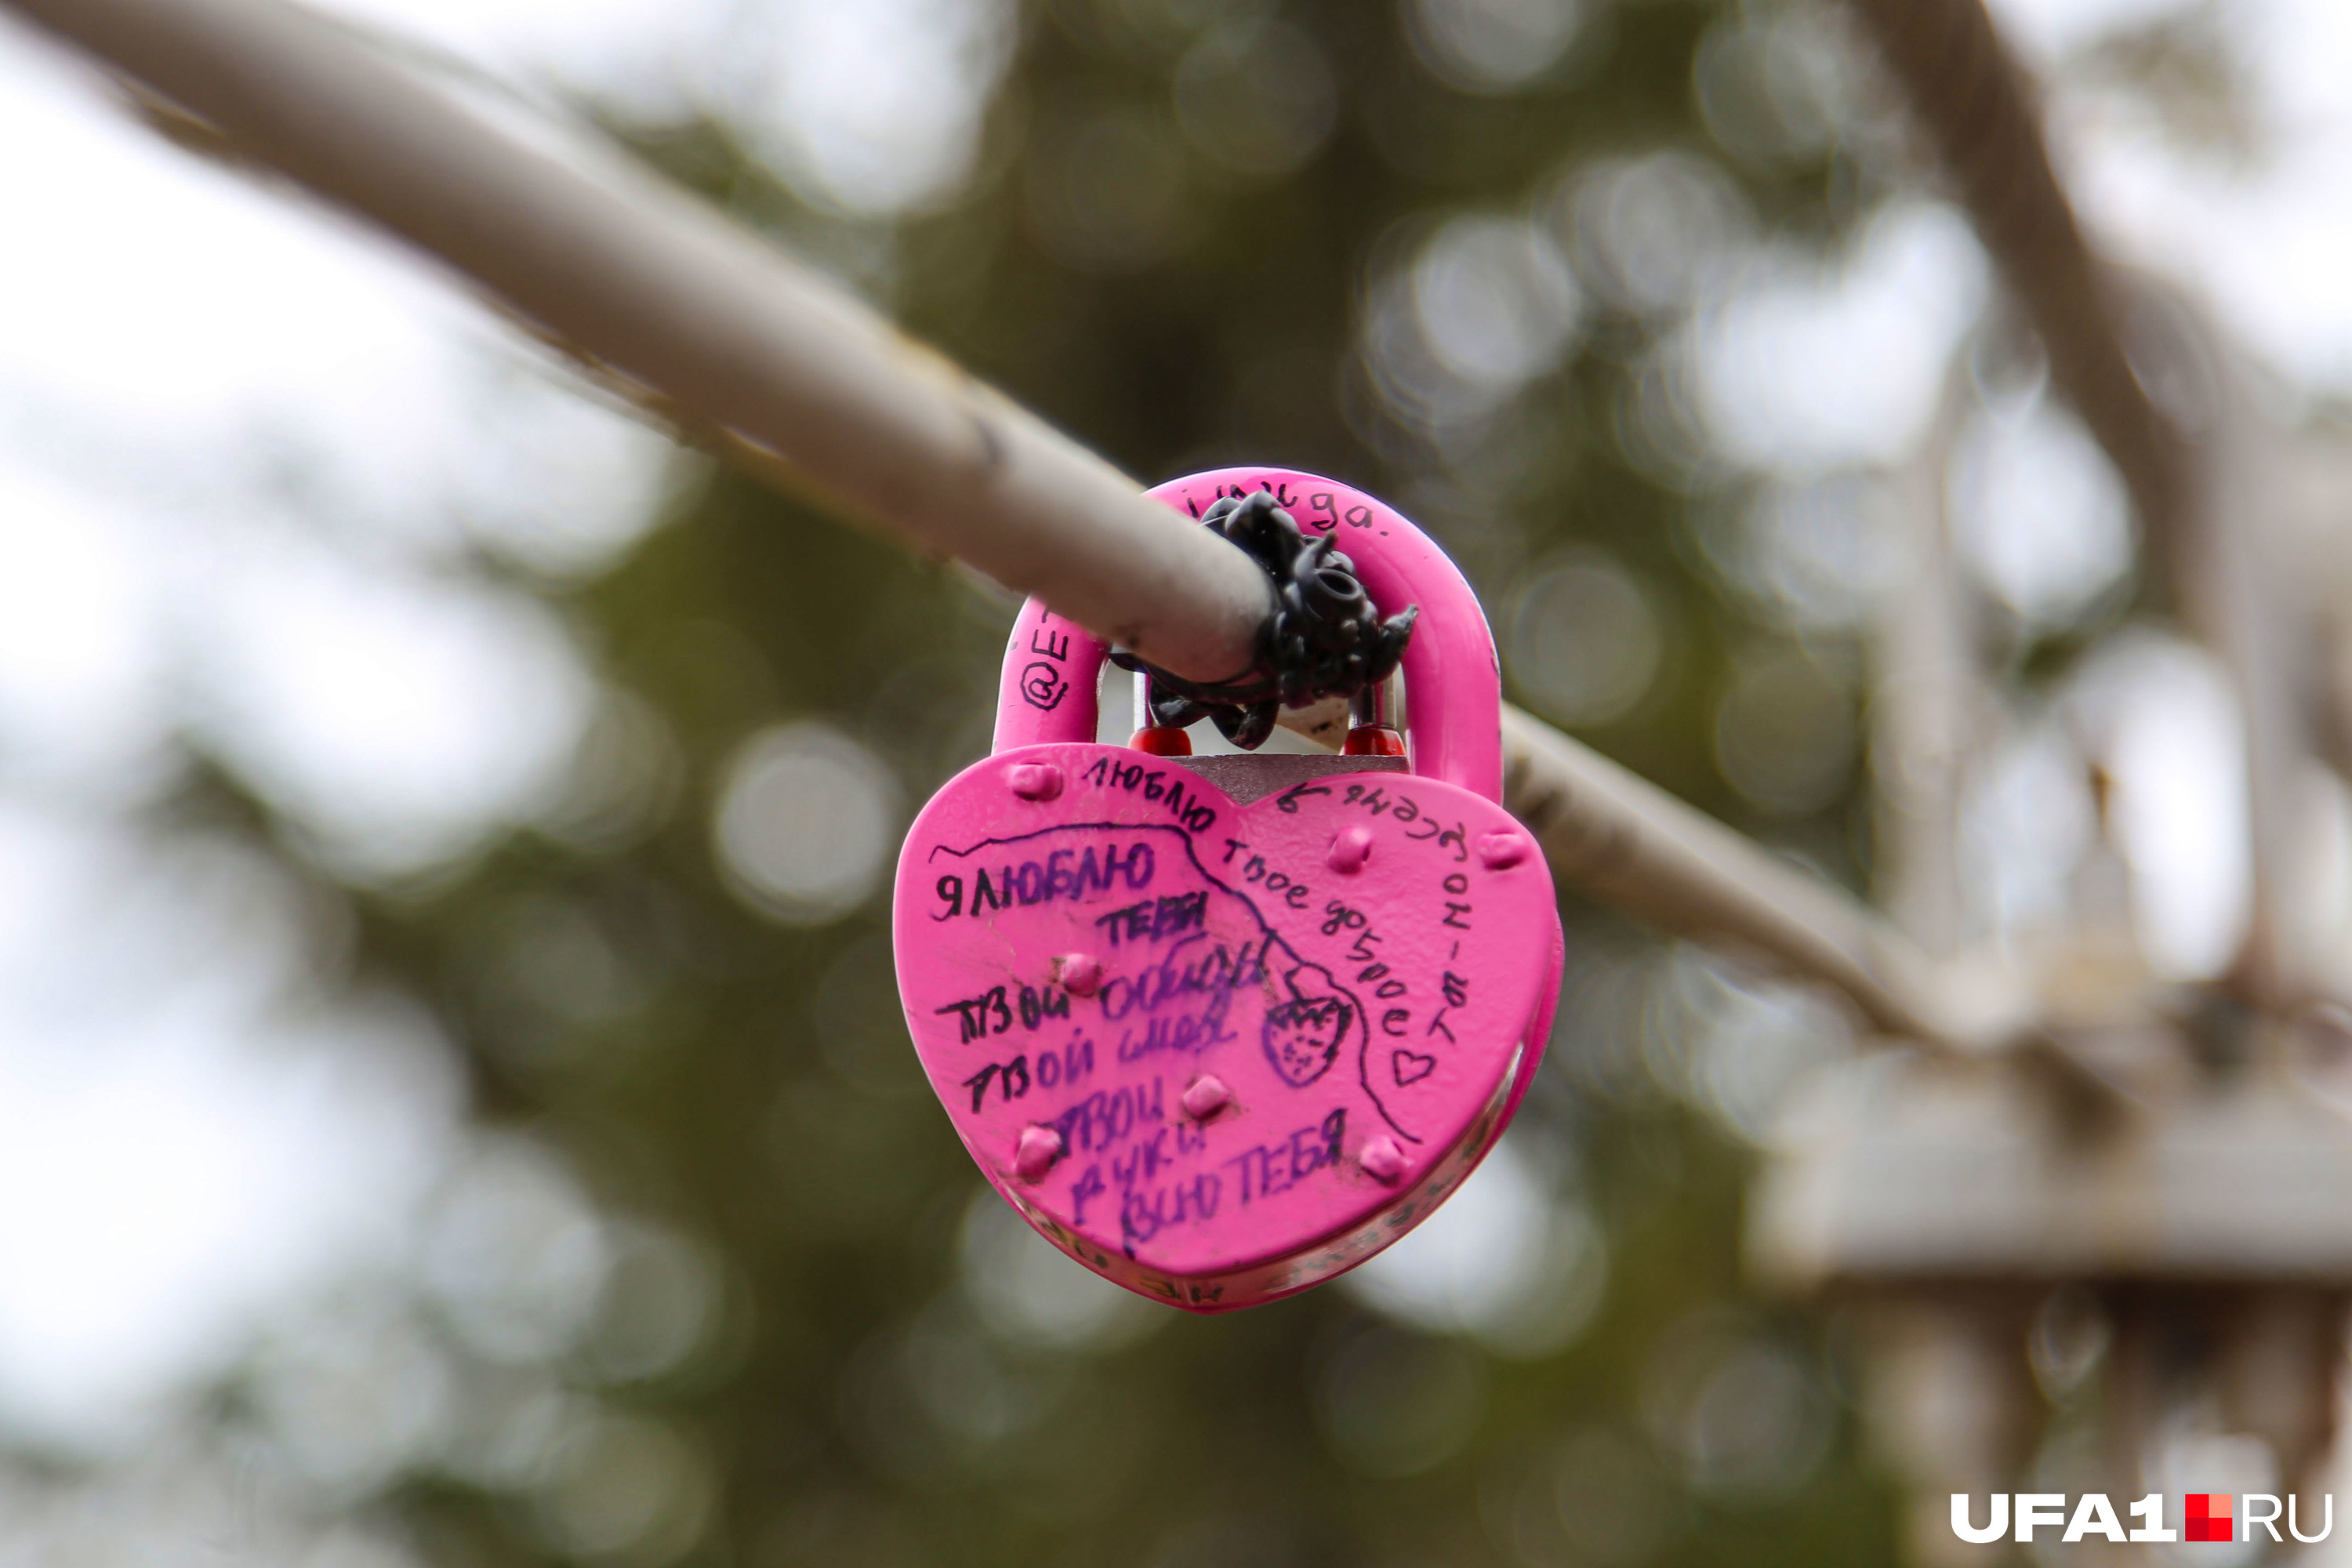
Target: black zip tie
{"x":1325,"y":638}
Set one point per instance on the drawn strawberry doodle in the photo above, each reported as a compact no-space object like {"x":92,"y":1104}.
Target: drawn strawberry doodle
{"x":1303,"y":1035}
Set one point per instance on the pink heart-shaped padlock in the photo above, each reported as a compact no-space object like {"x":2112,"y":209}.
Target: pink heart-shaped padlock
{"x":1221,"y":1027}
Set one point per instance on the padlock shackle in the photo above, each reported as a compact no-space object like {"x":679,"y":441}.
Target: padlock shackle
{"x":1453,"y":707}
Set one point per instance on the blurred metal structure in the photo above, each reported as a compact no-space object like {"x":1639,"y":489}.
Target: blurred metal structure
{"x":1977,"y":111}
{"x":2082,"y":1152}
{"x":2185,"y":1231}
{"x":2149,"y":376}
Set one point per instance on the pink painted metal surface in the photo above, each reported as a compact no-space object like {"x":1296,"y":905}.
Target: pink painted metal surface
{"x":1220,"y":1050}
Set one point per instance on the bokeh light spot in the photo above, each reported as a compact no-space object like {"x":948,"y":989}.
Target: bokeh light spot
{"x":626,"y":1489}
{"x":1584,"y":639}
{"x":1506,"y":1261}
{"x":1393,"y":1403}
{"x":1784,"y":735}
{"x":1107,"y":190}
{"x":1492,"y":45}
{"x":1257,"y":98}
{"x":806,"y":822}
{"x":1030,"y":1294}
{"x":2039,"y":513}
{"x":1651,"y":233}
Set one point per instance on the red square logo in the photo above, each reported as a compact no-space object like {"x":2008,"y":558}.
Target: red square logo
{"x":2211,"y":1516}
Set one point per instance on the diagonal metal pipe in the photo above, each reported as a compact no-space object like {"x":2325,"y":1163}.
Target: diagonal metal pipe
{"x":736,"y":343}
{"x":658,"y":288}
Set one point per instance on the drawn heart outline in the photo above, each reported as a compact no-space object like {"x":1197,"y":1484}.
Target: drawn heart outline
{"x":1409,"y":1067}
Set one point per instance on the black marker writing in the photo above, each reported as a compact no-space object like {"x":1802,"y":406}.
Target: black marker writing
{"x":992,"y":1013}
{"x":1189,"y":971}
{"x":1287,"y":801}
{"x":1012,"y":1076}
{"x":1269,"y":1170}
{"x":1256,"y":870}
{"x":1159,"y":785}
{"x":1064,"y":874}
{"x":1042,"y":686}
{"x":1171,"y":914}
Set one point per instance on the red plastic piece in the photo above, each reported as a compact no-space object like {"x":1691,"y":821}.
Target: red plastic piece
{"x":1162,"y":743}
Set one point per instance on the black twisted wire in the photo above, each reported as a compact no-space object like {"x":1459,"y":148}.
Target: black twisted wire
{"x":1325,"y":638}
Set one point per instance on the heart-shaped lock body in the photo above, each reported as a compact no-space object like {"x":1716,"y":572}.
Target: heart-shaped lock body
{"x":1222,"y":1028}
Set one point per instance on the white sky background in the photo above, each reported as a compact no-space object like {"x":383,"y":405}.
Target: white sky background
{"x":243,"y":447}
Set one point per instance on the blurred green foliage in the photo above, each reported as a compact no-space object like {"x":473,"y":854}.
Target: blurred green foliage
{"x":749,"y":1083}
